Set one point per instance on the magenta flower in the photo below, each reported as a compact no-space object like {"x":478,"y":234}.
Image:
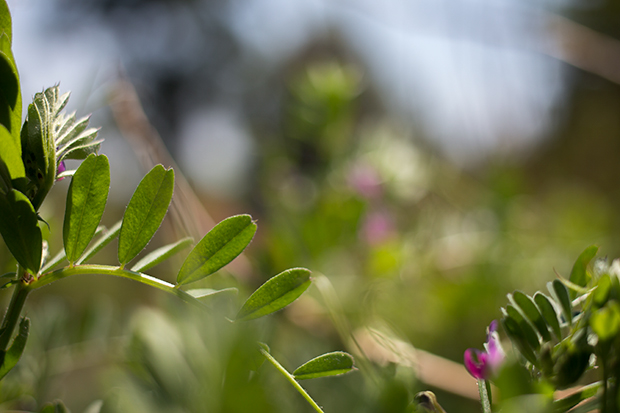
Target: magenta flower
{"x":61,"y":168}
{"x":484,"y":364}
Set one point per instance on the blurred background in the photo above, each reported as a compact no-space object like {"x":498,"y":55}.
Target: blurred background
{"x":423,"y":158}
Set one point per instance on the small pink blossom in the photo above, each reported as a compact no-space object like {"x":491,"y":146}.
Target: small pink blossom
{"x":366,"y":181}
{"x":484,"y":364}
{"x":61,"y":169}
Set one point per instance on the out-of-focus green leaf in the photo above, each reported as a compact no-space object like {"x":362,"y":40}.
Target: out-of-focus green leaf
{"x":19,"y":227}
{"x":145,"y":212}
{"x":579,"y":274}
{"x":209,"y":292}
{"x":107,"y":237}
{"x":161,"y":254}
{"x":605,"y":322}
{"x":531,"y":311}
{"x":86,"y":200}
{"x":528,"y":332}
{"x":216,"y":249}
{"x":329,"y":364}
{"x":275,"y":294}
{"x":55,"y":407}
{"x":603,"y":288}
{"x":548,"y":312}
{"x":560,"y":293}
{"x":513,"y":330}
{"x":12,"y":356}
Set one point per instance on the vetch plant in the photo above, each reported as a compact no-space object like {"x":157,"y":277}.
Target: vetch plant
{"x":566,"y":345}
{"x":32,"y":159}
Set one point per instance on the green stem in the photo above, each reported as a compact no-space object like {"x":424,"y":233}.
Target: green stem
{"x":484,"y":388}
{"x":50,"y":277}
{"x":291,"y":379}
{"x":18,"y":299}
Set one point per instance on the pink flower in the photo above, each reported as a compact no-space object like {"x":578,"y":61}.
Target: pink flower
{"x":484,"y":364}
{"x":61,"y":168}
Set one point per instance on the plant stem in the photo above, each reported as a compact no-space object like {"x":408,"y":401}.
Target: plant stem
{"x":484,"y":388}
{"x":18,"y":299}
{"x":50,"y":277}
{"x":291,"y":379}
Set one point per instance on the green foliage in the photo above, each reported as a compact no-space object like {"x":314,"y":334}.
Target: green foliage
{"x":145,"y":212}
{"x":216,"y":249}
{"x":20,"y":230}
{"x":329,"y":364}
{"x":161,"y":254}
{"x":86,"y":200}
{"x":275,"y":294}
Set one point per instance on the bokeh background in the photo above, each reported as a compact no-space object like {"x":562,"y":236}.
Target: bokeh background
{"x":423,"y":158}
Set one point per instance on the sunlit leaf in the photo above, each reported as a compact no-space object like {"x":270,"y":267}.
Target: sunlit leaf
{"x":161,"y":254}
{"x":145,"y":212}
{"x":86,"y":200}
{"x":11,"y":154}
{"x":216,"y":249}
{"x":108,"y":236}
{"x":12,"y":356}
{"x":10,"y":93}
{"x":548,"y":312}
{"x":329,"y":364}
{"x":532,"y":312}
{"x":19,"y":227}
{"x":579,"y":274}
{"x":275,"y":294}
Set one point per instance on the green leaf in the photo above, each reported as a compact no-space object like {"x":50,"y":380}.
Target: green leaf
{"x":516,"y":335}
{"x":526,"y":328}
{"x":216,"y":249}
{"x":20,"y":230}
{"x":58,"y":258}
{"x":10,"y":93}
{"x":5,"y":20}
{"x":560,"y":293}
{"x":12,"y":356}
{"x":329,"y":364}
{"x":208,"y":292}
{"x":56,"y":406}
{"x":161,"y":254}
{"x":86,"y":200}
{"x":275,"y":294}
{"x":579,"y":274}
{"x":548,"y":312}
{"x":98,"y":245}
{"x":531,"y":311}
{"x":605,"y":322}
{"x":11,"y":154}
{"x":145,"y":212}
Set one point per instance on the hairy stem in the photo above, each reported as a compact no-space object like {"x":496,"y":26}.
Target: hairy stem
{"x":291,"y":379}
{"x":484,"y":388}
